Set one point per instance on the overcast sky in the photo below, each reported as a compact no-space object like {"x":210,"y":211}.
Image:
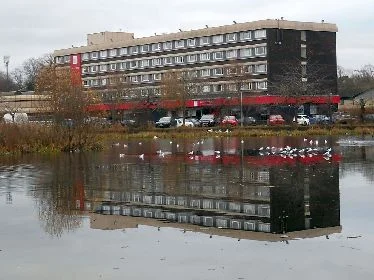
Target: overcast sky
{"x":31,"y":28}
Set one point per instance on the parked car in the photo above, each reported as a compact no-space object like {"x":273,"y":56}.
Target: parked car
{"x":187,"y":122}
{"x":208,"y":120}
{"x":319,"y":119}
{"x":249,"y":121}
{"x":275,"y":120}
{"x":230,"y":120}
{"x":343,"y":118}
{"x":302,"y":120}
{"x":195,"y":121}
{"x":166,"y":122}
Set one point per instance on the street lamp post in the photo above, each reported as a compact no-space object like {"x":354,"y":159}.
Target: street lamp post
{"x":241,"y":109}
{"x":6,"y":62}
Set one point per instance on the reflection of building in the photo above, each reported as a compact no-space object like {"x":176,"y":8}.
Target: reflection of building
{"x":213,"y":58}
{"x":251,"y":198}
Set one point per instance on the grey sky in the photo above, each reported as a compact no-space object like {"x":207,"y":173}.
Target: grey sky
{"x":31,"y":28}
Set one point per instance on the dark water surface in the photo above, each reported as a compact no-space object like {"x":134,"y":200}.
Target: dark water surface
{"x":213,"y":208}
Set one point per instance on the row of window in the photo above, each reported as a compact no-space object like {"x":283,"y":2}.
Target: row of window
{"x":177,"y":60}
{"x":171,"y":45}
{"x":204,"y":89}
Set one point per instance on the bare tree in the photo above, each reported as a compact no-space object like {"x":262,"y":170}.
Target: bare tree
{"x":298,"y":79}
{"x":179,"y":86}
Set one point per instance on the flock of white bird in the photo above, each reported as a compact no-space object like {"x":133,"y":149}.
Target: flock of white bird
{"x":285,"y":152}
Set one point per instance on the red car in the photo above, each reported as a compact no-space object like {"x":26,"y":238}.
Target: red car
{"x":230,"y":120}
{"x":275,"y":120}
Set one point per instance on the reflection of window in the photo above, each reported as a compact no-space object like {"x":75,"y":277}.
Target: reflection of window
{"x":94,"y":55}
{"x":156,"y":61}
{"x":179,"y":59}
{"x":144,"y":63}
{"x":103,"y":54}
{"x":113,"y":66}
{"x":145,"y":48}
{"x":113,"y":52}
{"x":122,"y":66}
{"x":134,"y":49}
{"x":156,"y":47}
{"x":103,"y":67}
{"x":192,"y":58}
{"x":123,"y":51}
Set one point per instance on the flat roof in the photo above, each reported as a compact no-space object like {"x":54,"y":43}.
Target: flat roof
{"x":254,"y":25}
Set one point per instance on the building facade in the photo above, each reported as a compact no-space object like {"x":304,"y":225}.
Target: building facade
{"x":242,"y":64}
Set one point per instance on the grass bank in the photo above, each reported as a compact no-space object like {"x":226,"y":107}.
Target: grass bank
{"x":31,"y":138}
{"x":248,"y":131}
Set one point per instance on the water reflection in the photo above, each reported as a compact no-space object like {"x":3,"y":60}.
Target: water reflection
{"x":225,"y":185}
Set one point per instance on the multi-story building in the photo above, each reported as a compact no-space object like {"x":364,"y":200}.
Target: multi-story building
{"x":242,"y":64}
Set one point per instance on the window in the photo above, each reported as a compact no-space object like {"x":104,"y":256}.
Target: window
{"x":94,"y":55}
{"x":86,"y":83}
{"x":303,"y":51}
{"x":303,"y":35}
{"x":303,"y":70}
{"x":144,"y":63}
{"x":179,"y":59}
{"x":245,"y":35}
{"x":250,"y":69}
{"x":232,"y":70}
{"x":231,"y":54}
{"x":84,"y":69}
{"x":262,"y":85}
{"x":103,"y":67}
{"x":134,"y":50}
{"x":218,"y":71}
{"x":218,"y":55}
{"x":206,"y":88}
{"x":168,"y":45}
{"x":133,"y":64}
{"x":93,"y":68}
{"x":168,"y":60}
{"x":204,"y":56}
{"x":145,"y":48}
{"x":157,"y":76}
{"x":231,"y":37}
{"x":260,"y":34}
{"x":261,"y":68}
{"x":103,"y":82}
{"x":113,"y":52}
{"x":123,"y":51}
{"x":246,"y":86}
{"x":217,"y":39}
{"x":122,"y":65}
{"x":232,"y":87}
{"x":85,"y":56}
{"x":156,"y":61}
{"x":179,"y":44}
{"x":95,"y":82}
{"x":191,"y":58}
{"x":245,"y":52}
{"x":156,"y":47}
{"x":103,"y":54}
{"x":192,"y":74}
{"x":134,"y":79}
{"x":217,"y":88}
{"x":191,"y":42}
{"x":204,"y":40}
{"x":260,"y":50}
{"x":205,"y":72}
{"x":145,"y":78}
{"x":113,"y":66}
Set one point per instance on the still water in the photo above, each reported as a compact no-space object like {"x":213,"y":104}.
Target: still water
{"x":213,"y":208}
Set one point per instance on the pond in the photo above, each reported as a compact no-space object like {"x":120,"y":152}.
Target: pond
{"x":212,"y":208}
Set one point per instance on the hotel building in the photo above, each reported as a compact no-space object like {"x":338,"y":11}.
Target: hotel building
{"x":211,"y":57}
